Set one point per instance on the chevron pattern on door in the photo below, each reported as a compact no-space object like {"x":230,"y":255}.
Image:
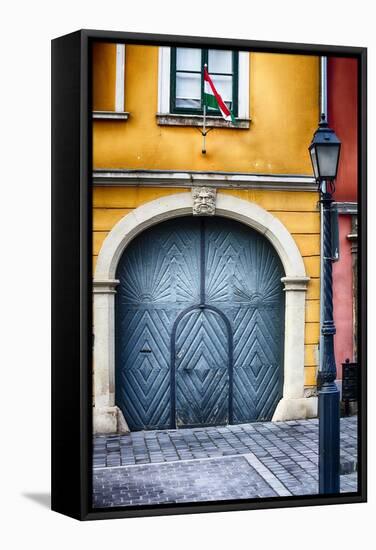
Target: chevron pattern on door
{"x":202,"y":369}
{"x":143,"y":379}
{"x":222,"y":360}
{"x":243,"y":274}
{"x":257,"y":363}
{"x":158,"y":277}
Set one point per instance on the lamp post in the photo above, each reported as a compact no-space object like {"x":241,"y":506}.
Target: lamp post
{"x":324,"y":151}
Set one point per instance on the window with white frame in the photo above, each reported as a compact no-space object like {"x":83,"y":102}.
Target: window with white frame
{"x":181,"y":85}
{"x":116,"y":109}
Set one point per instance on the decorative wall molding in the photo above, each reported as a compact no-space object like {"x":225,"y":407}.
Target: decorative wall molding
{"x":105,"y":287}
{"x":347,"y":207}
{"x":298,"y":284}
{"x":171,"y":178}
{"x":165,"y":119}
{"x":353,"y":238}
{"x":204,"y":199}
{"x":293,"y":404}
{"x":110,"y":115}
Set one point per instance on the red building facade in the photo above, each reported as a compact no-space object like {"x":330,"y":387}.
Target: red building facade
{"x":343,"y":118}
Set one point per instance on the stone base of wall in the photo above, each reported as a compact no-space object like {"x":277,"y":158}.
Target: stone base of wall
{"x":108,"y":420}
{"x":295,"y":409}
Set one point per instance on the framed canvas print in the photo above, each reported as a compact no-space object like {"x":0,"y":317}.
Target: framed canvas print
{"x":209,"y":274}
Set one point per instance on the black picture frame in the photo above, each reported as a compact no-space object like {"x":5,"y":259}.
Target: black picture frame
{"x":72,"y":273}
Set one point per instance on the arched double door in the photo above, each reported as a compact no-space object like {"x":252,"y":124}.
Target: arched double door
{"x":199,"y":325}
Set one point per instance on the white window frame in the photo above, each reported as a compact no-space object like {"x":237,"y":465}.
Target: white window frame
{"x":119,"y":112}
{"x":120,"y":72}
{"x":164,"y":79}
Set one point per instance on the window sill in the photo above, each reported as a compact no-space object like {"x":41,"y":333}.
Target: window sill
{"x":197,"y":120}
{"x":110,"y":115}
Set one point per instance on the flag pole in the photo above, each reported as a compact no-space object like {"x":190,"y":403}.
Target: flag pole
{"x":204,"y":119}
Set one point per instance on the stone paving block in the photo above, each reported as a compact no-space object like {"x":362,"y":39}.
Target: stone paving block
{"x":214,"y":479}
{"x":287,"y":449}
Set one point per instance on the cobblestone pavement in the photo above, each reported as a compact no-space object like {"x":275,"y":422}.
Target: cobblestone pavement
{"x":188,"y":465}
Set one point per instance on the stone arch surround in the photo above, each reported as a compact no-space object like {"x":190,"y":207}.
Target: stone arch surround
{"x":293,"y":405}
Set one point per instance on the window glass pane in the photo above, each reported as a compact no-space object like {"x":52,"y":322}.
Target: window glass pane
{"x":188,"y":103}
{"x":223,"y":86}
{"x":188,"y":59}
{"x":188,"y":76}
{"x":215,"y":111}
{"x":188,"y":85}
{"x":220,"y":61}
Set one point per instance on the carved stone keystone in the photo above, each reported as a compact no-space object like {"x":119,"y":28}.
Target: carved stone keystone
{"x":204,"y":199}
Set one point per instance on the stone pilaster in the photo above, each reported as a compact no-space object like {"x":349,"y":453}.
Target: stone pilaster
{"x":107,"y":416}
{"x":353,"y":238}
{"x":294,"y":405}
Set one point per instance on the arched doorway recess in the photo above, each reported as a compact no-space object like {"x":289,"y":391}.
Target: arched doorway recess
{"x":107,"y":416}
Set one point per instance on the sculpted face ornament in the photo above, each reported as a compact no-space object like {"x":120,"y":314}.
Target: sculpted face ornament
{"x":203,"y":201}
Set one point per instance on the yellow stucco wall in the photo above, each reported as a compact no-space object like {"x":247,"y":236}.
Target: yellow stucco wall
{"x":297,"y":210}
{"x":284,"y":100}
{"x":283,"y":110}
{"x":104,"y":76}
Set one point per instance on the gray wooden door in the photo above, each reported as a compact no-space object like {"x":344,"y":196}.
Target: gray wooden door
{"x":201,"y":357}
{"x":199,"y":326}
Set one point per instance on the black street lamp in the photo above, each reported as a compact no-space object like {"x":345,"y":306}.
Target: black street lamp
{"x":324,"y":151}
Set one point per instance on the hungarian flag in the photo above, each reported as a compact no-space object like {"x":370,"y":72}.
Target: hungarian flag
{"x":213,"y":99}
